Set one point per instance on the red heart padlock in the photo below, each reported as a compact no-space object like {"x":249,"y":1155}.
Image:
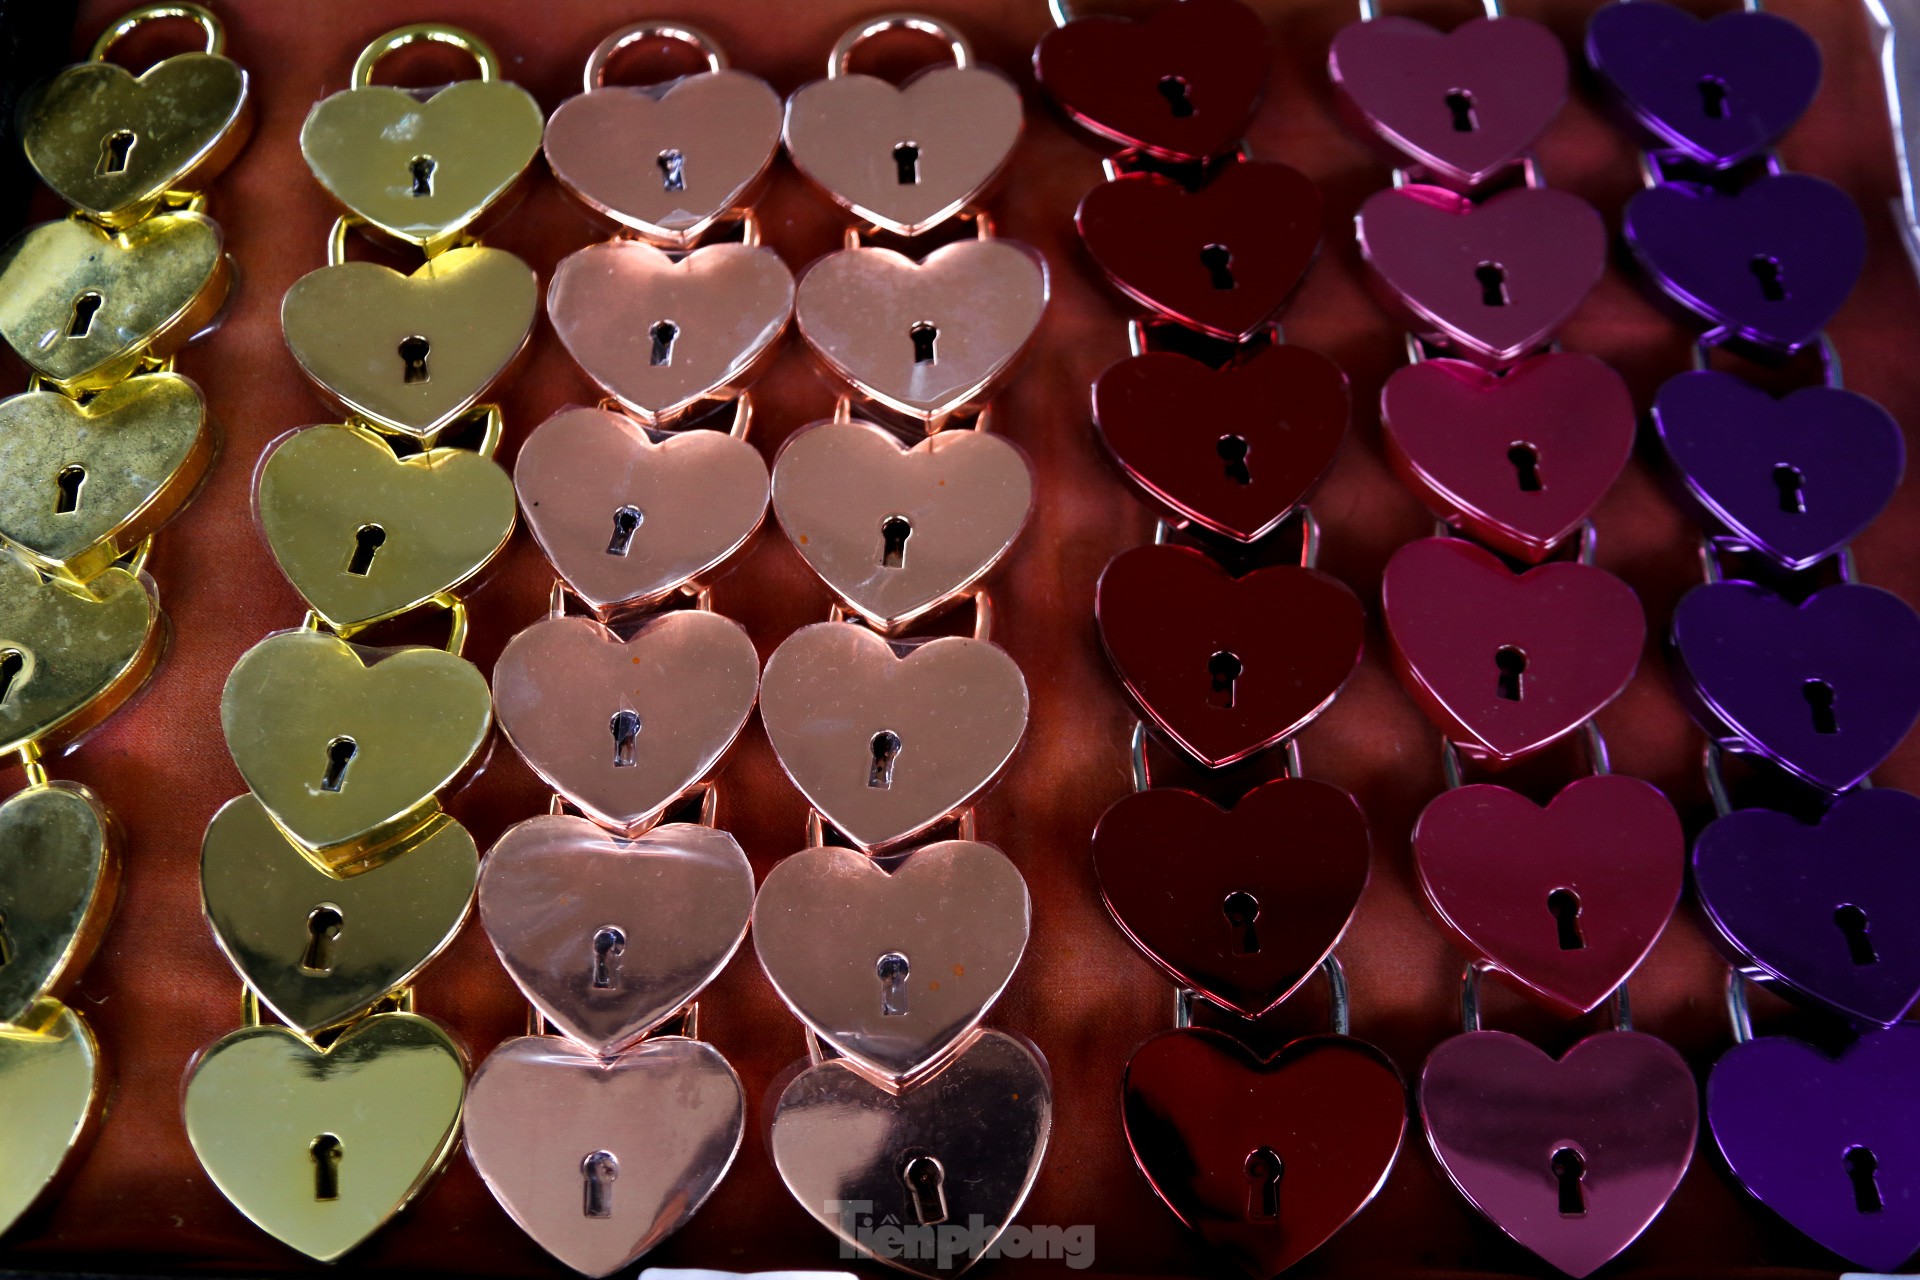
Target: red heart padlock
{"x":1263,"y":891}
{"x":1507,"y":663}
{"x":1222,"y":258}
{"x":1232,"y":449}
{"x":1516,"y":460}
{"x":1226,"y":666}
{"x":1182,"y":82}
{"x":1567,"y":899}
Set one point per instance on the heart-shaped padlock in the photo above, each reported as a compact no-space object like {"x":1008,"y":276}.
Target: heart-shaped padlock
{"x":58,"y":886}
{"x":1266,"y":889}
{"x":897,"y":532}
{"x":662,"y":334}
{"x":1819,"y":909}
{"x":904,"y":159}
{"x":915,"y":335}
{"x":364,"y":534}
{"x":1794,"y":477}
{"x":70,"y":655}
{"x":894,"y":967}
{"x":1765,"y":268}
{"x":422,"y":170}
{"x":319,"y":1146}
{"x":1181,"y":82}
{"x":1719,"y":90}
{"x":962,"y":1148}
{"x":712,"y":136}
{"x":50,"y":1097}
{"x":1243,"y":663}
{"x":887,"y":739}
{"x":1504,"y":663}
{"x":1493,"y":280}
{"x":600,"y":1159}
{"x":84,"y":305}
{"x":1825,"y":689}
{"x":629,"y":514}
{"x":346,"y":746}
{"x":1516,"y":460}
{"x":609,"y":937}
{"x":1565,"y":899}
{"x":1222,"y":258}
{"x":411,"y":353}
{"x":320,"y":948}
{"x":623,"y":727}
{"x":1462,"y":104}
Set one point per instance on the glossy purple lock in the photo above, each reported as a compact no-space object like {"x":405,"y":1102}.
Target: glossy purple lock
{"x":1765,"y":268}
{"x":1827,"y":912}
{"x":1719,"y":90}
{"x":1793,"y":477}
{"x":1831,"y":1144}
{"x":1825,"y":689}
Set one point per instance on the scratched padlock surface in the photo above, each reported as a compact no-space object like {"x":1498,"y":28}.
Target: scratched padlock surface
{"x":160,"y":989}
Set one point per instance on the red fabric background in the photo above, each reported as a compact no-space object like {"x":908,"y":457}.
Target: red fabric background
{"x":159,"y":991}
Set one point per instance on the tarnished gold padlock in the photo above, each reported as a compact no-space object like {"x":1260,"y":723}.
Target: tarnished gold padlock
{"x":116,"y":145}
{"x":59,"y":881}
{"x":49,"y":1099}
{"x":364,"y":534}
{"x":422,"y":168}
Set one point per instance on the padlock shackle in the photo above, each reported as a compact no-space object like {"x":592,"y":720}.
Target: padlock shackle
{"x":595,"y":76}
{"x":1470,"y":1000}
{"x":432,"y":32}
{"x":1598,"y":760}
{"x":1370,"y":9}
{"x":1143,"y":775}
{"x":1339,"y":1004}
{"x":1738,"y":1015}
{"x":1831,"y":372}
{"x":199,"y":15}
{"x":842,"y":55}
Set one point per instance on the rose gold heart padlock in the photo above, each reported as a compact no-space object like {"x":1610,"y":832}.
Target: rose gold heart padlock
{"x":711,"y":137}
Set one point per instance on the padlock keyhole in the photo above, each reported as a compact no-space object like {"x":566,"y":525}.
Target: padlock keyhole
{"x":326,"y":1153}
{"x":1242,"y":909}
{"x":886,"y":749}
{"x":1493,"y":284}
{"x":12,"y":663}
{"x":597,"y":1172}
{"x":1713,"y":97}
{"x":420,"y":169}
{"x":1225,"y":669}
{"x":1862,"y":1169}
{"x":926,"y":1181}
{"x":367,"y":540}
{"x":1233,"y":458}
{"x":1218,"y":260}
{"x":1792,"y":484}
{"x":323,"y":932}
{"x":67,"y":489}
{"x":1526,"y":466}
{"x":625,"y":726}
{"x":114,"y":149}
{"x":1565,"y":906}
{"x":894,"y":532}
{"x":1819,"y":696}
{"x":664,"y":334}
{"x":1853,"y":924}
{"x":609,"y":944}
{"x":626,"y":522}
{"x":893,"y":970}
{"x":1263,"y":1169}
{"x":413,"y":351}
{"x":1570,"y":1170}
{"x":340,"y":754}
{"x":85,"y":306}
{"x":1460,"y":104}
{"x":923,"y":334}
{"x":1512,"y":665}
{"x":1766,"y":270}
{"x":673,"y":170}
{"x":906,"y":163}
{"x":1177,"y":92}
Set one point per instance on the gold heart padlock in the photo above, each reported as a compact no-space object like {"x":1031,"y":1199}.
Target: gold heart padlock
{"x":320,"y":1146}
{"x":71,"y":655}
{"x":83,"y":306}
{"x":364,"y":534}
{"x":49,"y":1099}
{"x":346,"y":746}
{"x":114,"y":144}
{"x":411,"y":353}
{"x":422,"y":171}
{"x":90,"y":479}
{"x":59,"y":880}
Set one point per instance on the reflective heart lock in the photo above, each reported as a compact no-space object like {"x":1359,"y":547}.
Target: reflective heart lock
{"x":116,"y":145}
{"x":421,"y":167}
{"x":1462,"y":104}
{"x":1515,"y":460}
{"x":364,"y":534}
{"x":1506,"y":664}
{"x":889,"y":738}
{"x":712,"y":136}
{"x":1267,"y":1158}
{"x":1719,"y":90}
{"x":84,"y":306}
{"x":1829,"y":1141}
{"x":600,"y":1159}
{"x":609,"y":937}
{"x":960,"y":1150}
{"x":896,"y":531}
{"x":1221,"y":257}
{"x":1565,"y":899}
{"x":59,"y":884}
{"x":904,"y":158}
{"x":320,"y":1146}
{"x":410,"y":353}
{"x":1492,"y":280}
{"x":1573,"y":1157}
{"x":627,"y":513}
{"x":1242,"y":663}
{"x":318,"y":948}
{"x":50,"y":1100}
{"x":893,"y":964}
{"x":1181,"y":82}
{"x":91,"y":479}
{"x":662,"y":333}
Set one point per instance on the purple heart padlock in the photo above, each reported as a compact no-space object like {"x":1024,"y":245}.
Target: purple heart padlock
{"x":1719,"y":91}
{"x":1825,"y":689}
{"x":1794,"y":477}
{"x":1766,"y":268}
{"x":1826,"y":910}
{"x":1830,"y":1144}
